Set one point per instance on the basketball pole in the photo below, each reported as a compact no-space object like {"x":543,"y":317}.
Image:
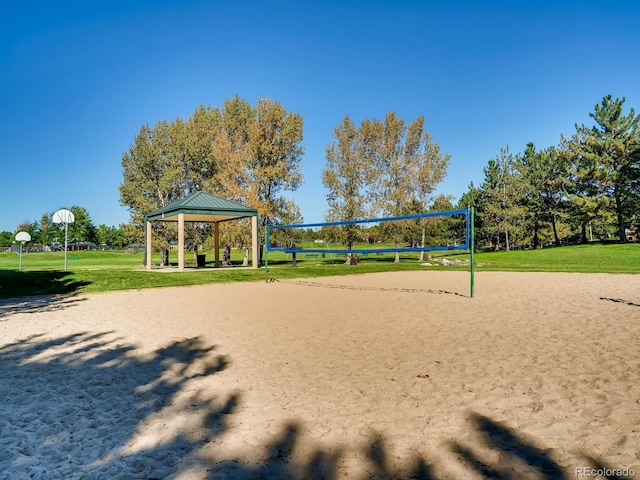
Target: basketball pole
{"x":66,"y":233}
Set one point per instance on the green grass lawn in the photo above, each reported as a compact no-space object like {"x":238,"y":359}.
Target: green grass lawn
{"x":590,"y":258}
{"x":99,"y":271}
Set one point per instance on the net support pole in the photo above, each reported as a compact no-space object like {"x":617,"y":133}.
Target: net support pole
{"x":472,"y":241}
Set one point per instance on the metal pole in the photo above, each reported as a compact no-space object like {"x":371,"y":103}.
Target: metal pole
{"x":472,"y":241}
{"x":66,"y":227}
{"x":144,"y":262}
{"x":266,"y":253}
{"x":20,"y":256}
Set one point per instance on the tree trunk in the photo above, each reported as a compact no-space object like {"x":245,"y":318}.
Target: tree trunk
{"x":352,"y":259}
{"x":555,"y":229}
{"x":584,"y":233}
{"x":506,"y":238}
{"x":164,"y":257}
{"x":245,"y":261}
{"x":424,"y":232}
{"x":623,"y":237}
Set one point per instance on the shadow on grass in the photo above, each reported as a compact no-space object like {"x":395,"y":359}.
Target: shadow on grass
{"x":21,"y":284}
{"x":89,"y":405}
{"x":36,"y":291}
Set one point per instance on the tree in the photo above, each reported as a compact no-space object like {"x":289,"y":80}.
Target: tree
{"x":605,"y":164}
{"x":408,"y":167}
{"x":32,"y":228}
{"x":430,"y":168}
{"x":476,"y":198}
{"x":82,"y":229}
{"x":194,"y":139}
{"x":545,"y":183}
{"x":239,"y":152}
{"x":6,"y":238}
{"x":347,"y":176}
{"x":274,"y":155}
{"x":258,"y":155}
{"x":47,"y":229}
{"x":441,"y":230}
{"x":503,"y":213}
{"x":381,"y":168}
{"x":152,"y":179}
{"x":110,"y":236}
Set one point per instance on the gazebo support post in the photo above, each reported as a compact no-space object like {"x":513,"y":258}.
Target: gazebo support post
{"x":254,"y":242}
{"x":181,"y":241}
{"x":216,"y":243}
{"x":149,"y":244}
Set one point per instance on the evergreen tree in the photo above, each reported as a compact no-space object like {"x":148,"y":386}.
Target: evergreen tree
{"x":503,"y":214}
{"x":605,"y":164}
{"x":545,"y":182}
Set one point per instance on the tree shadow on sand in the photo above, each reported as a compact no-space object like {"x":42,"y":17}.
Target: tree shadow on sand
{"x":286,"y":460}
{"x":44,"y":303}
{"x":89,"y":405}
{"x":77,"y":406}
{"x":502,"y":453}
{"x":499,"y":453}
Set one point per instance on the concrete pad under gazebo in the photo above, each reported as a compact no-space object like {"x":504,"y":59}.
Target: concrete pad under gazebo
{"x":202,"y":207}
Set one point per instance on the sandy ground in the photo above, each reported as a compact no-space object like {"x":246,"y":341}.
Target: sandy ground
{"x":397,"y":375}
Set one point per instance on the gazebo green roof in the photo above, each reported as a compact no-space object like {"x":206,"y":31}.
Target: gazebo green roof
{"x":202,"y":207}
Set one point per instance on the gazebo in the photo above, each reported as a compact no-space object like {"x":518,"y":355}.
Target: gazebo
{"x":202,"y":207}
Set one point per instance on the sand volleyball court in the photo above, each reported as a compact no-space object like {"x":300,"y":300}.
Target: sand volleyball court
{"x":389,"y":375}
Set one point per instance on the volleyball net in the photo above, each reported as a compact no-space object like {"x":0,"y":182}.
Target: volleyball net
{"x":382,"y":237}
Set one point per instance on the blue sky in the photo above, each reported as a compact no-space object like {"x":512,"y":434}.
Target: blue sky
{"x":79,"y":79}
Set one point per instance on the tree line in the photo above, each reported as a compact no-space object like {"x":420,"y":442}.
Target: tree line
{"x":45,"y":232}
{"x":585,"y":188}
{"x":251,"y":154}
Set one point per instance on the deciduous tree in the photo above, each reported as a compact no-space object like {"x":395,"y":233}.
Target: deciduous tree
{"x":382,"y":168}
{"x":408,"y":168}
{"x":347,"y":176}
{"x":153,"y":177}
